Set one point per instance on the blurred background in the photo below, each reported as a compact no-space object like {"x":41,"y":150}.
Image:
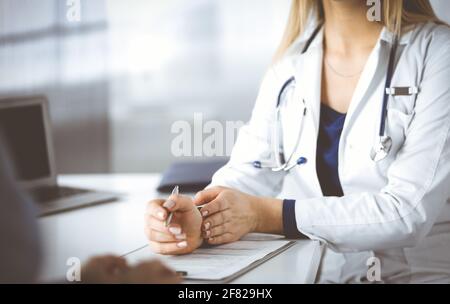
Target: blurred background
{"x":118,"y":79}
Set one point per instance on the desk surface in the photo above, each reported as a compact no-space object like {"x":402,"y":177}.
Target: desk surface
{"x":117,"y":228}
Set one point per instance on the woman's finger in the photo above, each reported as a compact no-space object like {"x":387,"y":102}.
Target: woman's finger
{"x":207,"y":195}
{"x":221,"y":239}
{"x":158,"y":225}
{"x":168,"y":248}
{"x":180,"y":203}
{"x":216,"y":219}
{"x":217,"y":230}
{"x":161,"y":237}
{"x":217,"y":205}
{"x":155,"y":209}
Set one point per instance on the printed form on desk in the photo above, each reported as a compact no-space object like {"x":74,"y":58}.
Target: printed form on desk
{"x":222,"y":262}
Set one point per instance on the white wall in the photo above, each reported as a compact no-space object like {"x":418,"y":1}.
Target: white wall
{"x":171,"y":59}
{"x":42,"y":53}
{"x":115,"y":93}
{"x":184,"y":57}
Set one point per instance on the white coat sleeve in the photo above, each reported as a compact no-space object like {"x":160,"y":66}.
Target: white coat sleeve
{"x":404,"y":211}
{"x":254,"y":144}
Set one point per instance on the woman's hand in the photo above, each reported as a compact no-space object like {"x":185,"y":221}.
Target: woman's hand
{"x":106,"y":269}
{"x":230,"y":214}
{"x":183,"y":235}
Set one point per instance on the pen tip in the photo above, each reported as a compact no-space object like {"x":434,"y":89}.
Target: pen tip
{"x":175,"y":190}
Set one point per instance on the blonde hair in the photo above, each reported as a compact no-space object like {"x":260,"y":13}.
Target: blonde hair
{"x":396,"y":16}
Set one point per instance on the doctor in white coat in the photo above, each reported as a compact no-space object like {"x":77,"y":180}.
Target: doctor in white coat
{"x":354,"y":116}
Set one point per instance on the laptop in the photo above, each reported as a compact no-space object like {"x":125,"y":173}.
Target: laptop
{"x":25,"y":125}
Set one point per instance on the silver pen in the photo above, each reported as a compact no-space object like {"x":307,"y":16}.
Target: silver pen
{"x":175,"y":191}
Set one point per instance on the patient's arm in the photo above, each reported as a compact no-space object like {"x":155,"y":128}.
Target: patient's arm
{"x":20,"y":254}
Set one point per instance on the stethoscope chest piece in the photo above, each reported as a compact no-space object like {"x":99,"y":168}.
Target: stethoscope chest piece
{"x":381,"y":149}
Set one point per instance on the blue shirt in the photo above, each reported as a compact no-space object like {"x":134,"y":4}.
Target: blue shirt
{"x":330,"y":129}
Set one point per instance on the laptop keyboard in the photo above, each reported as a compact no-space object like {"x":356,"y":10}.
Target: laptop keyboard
{"x":47,"y":194}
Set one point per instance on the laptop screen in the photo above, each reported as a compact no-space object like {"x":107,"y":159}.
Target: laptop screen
{"x":24,"y":131}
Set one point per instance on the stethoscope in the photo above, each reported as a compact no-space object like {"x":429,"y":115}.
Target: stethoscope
{"x":378,"y":152}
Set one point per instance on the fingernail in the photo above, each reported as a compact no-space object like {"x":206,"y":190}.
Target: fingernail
{"x":169,"y":204}
{"x":182,"y":244}
{"x":207,"y":225}
{"x":180,"y":236}
{"x":161,"y":215}
{"x":208,"y":233}
{"x":175,"y":230}
{"x":205,"y":213}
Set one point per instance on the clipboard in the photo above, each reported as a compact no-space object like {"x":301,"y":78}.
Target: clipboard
{"x":223,"y":263}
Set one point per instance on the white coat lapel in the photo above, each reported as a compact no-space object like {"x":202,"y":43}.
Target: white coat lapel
{"x":371,"y":76}
{"x":309,"y":75}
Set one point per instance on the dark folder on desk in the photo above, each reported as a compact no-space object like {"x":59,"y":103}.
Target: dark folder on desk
{"x":190,"y":176}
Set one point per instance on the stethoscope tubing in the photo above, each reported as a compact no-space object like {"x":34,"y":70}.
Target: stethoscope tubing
{"x":389,"y":74}
{"x":283,"y":164}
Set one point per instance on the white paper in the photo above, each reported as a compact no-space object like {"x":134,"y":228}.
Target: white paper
{"x":218,"y":262}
